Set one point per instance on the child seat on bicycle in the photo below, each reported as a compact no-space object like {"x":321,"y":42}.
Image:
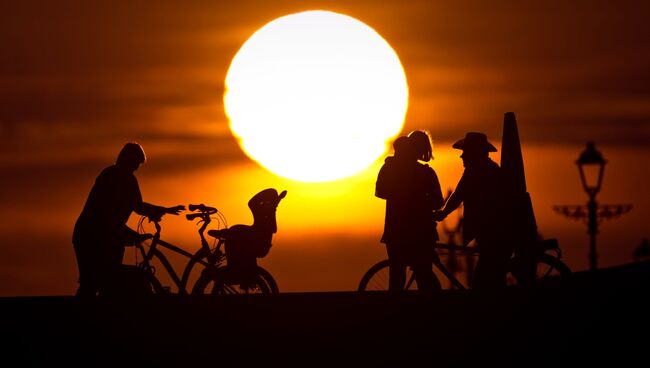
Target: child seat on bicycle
{"x":245,"y":243}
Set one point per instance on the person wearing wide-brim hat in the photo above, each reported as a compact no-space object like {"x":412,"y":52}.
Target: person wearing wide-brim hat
{"x":474,"y":141}
{"x":481,"y":191}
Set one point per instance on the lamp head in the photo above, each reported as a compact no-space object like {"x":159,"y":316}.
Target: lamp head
{"x":591,"y":165}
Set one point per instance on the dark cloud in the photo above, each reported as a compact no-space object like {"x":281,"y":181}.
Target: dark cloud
{"x":556,"y":63}
{"x":119,"y":65}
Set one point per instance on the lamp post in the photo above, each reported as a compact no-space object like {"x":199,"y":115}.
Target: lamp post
{"x":591,"y":166}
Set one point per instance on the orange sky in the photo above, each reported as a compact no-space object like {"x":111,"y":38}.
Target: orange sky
{"x":77,"y":80}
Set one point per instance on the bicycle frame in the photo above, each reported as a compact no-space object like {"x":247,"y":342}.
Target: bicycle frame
{"x":204,"y":256}
{"x":451,"y":248}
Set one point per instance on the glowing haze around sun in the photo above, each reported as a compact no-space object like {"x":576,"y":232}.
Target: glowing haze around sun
{"x":315,"y":96}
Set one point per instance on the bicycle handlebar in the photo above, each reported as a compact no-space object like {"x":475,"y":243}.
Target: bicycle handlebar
{"x":203,"y":211}
{"x":192,"y":216}
{"x":201,"y":207}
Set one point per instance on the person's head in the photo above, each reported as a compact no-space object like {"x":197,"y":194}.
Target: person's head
{"x":131,"y":156}
{"x":420,"y":142}
{"x":400,"y":145}
{"x":475,"y":147}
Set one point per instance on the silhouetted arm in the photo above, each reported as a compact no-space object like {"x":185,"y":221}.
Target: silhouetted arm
{"x":436,"y":192}
{"x":132,"y":237}
{"x":383,"y":187}
{"x":452,"y":204}
{"x":148,"y":209}
{"x":454,"y":201}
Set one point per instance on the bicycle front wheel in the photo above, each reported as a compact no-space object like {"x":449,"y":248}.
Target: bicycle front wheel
{"x":223,"y":282}
{"x":377,"y":278}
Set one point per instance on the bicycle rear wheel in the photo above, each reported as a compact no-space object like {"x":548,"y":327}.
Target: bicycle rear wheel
{"x":222,"y":282}
{"x":376,"y":278}
{"x":548,"y":269}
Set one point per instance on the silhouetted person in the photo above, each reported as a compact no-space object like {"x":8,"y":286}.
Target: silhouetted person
{"x":100,"y":233}
{"x":412,"y":191}
{"x":485,"y":215}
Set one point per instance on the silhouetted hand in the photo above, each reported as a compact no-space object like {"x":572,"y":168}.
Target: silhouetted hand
{"x":139,"y":238}
{"x":174,"y":210}
{"x":438,"y":215}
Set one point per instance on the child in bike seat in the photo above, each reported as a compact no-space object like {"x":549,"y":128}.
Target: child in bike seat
{"x":245,"y":243}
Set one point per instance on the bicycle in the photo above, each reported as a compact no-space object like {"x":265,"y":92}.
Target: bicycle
{"x":210,"y":258}
{"x":547,"y":256}
{"x":243,"y":245}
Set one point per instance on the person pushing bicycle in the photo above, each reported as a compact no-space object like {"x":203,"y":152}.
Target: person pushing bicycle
{"x":100,"y":233}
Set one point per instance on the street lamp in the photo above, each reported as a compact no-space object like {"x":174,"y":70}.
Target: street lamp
{"x":591,"y":165}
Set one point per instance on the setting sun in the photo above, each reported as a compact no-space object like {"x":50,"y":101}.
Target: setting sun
{"x":315,"y":96}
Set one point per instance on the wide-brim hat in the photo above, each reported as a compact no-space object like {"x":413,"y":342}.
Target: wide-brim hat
{"x":474,"y":141}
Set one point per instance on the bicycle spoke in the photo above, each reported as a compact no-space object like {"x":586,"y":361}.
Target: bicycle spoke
{"x":379,"y":280}
{"x":229,"y":289}
{"x":222,"y":282}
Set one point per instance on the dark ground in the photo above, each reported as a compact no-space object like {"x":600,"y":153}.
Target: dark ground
{"x":593,"y":318}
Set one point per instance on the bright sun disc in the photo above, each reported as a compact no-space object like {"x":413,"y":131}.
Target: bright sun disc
{"x":315,"y":96}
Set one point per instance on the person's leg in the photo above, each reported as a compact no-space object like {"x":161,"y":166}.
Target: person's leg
{"x":396,"y":269}
{"x":425,"y":277}
{"x":396,"y":276}
{"x":421,"y":260}
{"x":484,"y":274}
{"x":525,"y":269}
{"x":491,"y":267}
{"x":87,"y":266}
{"x":109,"y":269}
